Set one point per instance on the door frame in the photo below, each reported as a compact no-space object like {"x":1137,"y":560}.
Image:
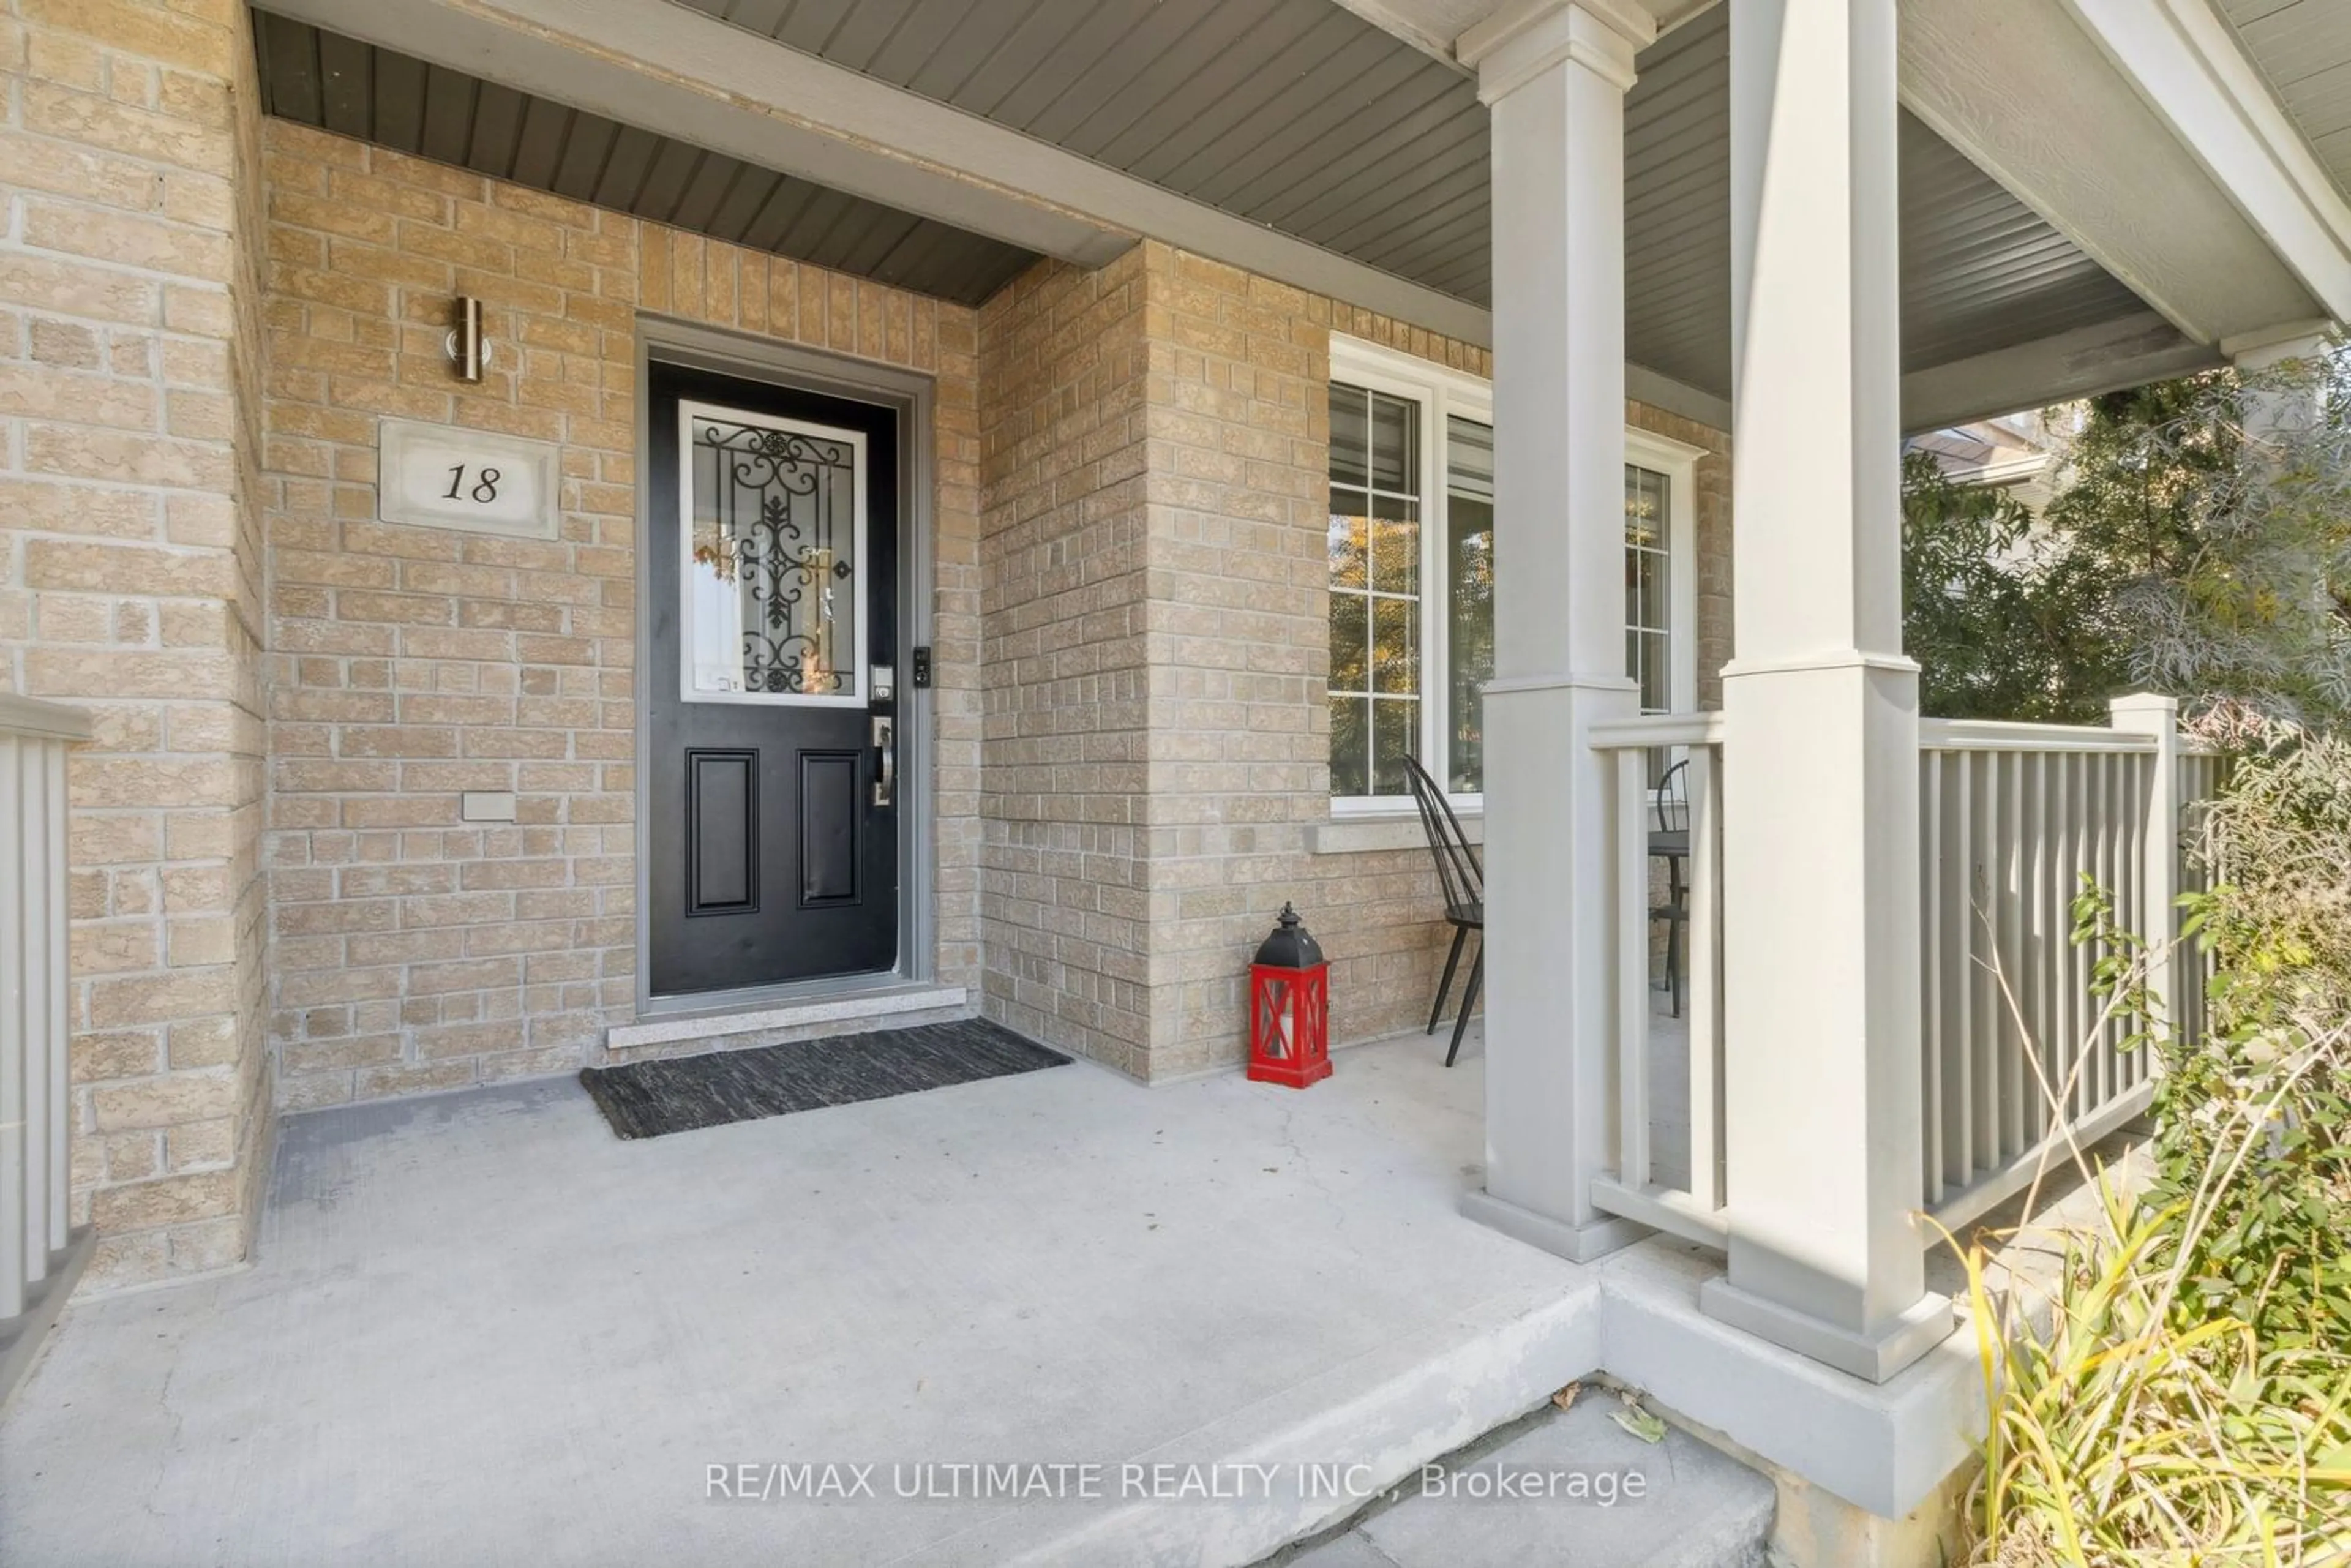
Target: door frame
{"x":911,"y":393}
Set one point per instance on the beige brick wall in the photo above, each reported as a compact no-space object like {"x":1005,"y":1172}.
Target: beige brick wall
{"x":129,"y":560}
{"x":412,"y":951}
{"x":1240,"y":647}
{"x":1239,"y":613}
{"x":1129,"y":618}
{"x":1221,"y":564}
{"x":1062,"y":437}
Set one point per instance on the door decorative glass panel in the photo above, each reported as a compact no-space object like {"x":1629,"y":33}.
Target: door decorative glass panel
{"x":773,"y":596}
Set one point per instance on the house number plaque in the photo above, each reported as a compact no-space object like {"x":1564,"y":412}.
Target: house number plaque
{"x":443,"y":477}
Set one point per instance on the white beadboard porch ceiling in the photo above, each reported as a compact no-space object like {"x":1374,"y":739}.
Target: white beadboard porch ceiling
{"x":2303,"y":49}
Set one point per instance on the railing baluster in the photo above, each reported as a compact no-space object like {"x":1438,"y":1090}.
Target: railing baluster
{"x":1993,"y":1042}
{"x":1931,"y":1039}
{"x":60,"y":1035}
{"x":1957,"y":1157}
{"x":2053,"y":934}
{"x":1963,"y":874}
{"x":2093,"y":836}
{"x":39,"y":939}
{"x":2008,"y":935}
{"x":15,"y":1210}
{"x":1984,"y":1043}
{"x":1705,"y":958}
{"x":2117,"y":878}
{"x":1633,"y":966}
{"x":2094,"y":1031}
{"x":2131,"y":864}
{"x":2031,"y":932}
{"x":2130,"y":857}
{"x":2064,"y":1017}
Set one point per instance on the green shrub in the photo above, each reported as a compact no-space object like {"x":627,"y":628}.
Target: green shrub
{"x":2277,"y":1056}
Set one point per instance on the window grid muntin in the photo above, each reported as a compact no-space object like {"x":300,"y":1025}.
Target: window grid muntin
{"x":1648,"y":597}
{"x":1470,"y":640}
{"x":1386,"y":703}
{"x":1440,"y":392}
{"x":1648,"y":585}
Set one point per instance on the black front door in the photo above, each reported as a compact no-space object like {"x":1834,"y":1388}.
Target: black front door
{"x":772,"y":574}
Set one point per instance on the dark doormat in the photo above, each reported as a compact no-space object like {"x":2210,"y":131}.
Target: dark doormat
{"x":679,"y":1093}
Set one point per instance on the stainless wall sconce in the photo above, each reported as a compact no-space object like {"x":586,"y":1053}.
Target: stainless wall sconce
{"x":469,"y":350}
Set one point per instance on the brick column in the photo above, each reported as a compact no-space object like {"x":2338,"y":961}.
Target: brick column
{"x":129,"y":565}
{"x":1063,"y":551}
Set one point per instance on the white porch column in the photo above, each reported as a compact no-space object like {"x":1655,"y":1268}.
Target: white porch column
{"x":1555,"y":79}
{"x":2274,"y":412}
{"x":1821,"y":845}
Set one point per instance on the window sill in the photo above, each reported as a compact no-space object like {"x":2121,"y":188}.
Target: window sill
{"x":1384,"y":832}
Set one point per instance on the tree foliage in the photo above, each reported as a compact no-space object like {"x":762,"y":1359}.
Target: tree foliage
{"x":2004,"y":621}
{"x":2200,"y":545}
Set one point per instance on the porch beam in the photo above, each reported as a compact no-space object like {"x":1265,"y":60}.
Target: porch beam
{"x":2189,"y":67}
{"x":2108,"y":119}
{"x":1556,"y":83}
{"x":2130,"y":351}
{"x":1820,"y":836}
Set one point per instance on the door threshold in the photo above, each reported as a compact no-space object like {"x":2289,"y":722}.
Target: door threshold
{"x":840,"y":1006}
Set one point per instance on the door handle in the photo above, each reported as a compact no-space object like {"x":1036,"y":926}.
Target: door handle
{"x":885,"y":787}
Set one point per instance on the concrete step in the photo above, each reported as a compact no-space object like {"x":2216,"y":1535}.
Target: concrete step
{"x":1307,"y":1458}
{"x":1696,"y":1508}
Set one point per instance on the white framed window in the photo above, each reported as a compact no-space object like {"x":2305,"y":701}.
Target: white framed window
{"x":1412,"y":549}
{"x":771,"y":568}
{"x":1661,"y":570}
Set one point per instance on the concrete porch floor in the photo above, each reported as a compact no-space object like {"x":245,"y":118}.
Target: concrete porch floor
{"x":482,"y":1328}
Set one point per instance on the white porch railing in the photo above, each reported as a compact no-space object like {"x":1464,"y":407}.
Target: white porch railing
{"x":2012,"y":816}
{"x":1643,"y":1189}
{"x":2019,"y":1055}
{"x":34,"y":1082}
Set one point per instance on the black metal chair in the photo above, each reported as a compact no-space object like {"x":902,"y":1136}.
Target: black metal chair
{"x":1673,"y":817}
{"x":1463,"y":882}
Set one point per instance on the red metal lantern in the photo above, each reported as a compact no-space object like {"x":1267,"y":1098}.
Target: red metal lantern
{"x":1290,"y":1007}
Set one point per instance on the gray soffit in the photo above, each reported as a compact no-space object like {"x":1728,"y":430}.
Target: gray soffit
{"x":377,"y":95}
{"x":1980,"y":271}
{"x":2303,"y":48}
{"x":1302,"y":115}
{"x":1298,"y":118}
{"x":1295,"y":114}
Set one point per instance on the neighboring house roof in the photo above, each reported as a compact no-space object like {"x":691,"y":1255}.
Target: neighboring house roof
{"x":2018,"y":451}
